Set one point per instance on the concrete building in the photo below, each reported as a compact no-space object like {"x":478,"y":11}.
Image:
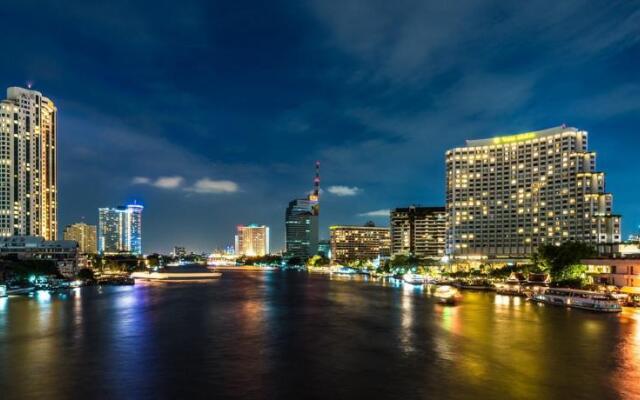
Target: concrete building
{"x":85,"y":235}
{"x":508,"y":195}
{"x":351,"y":243}
{"x":28,"y":183}
{"x":418,"y":231}
{"x":252,"y":240}
{"x":120,"y":230}
{"x":619,"y":272}
{"x":63,"y":252}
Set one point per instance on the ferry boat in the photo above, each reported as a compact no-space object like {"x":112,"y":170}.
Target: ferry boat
{"x":192,"y":273}
{"x":413,"y":279}
{"x":582,"y":299}
{"x":447,"y":294}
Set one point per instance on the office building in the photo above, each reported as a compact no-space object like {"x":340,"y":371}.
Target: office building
{"x":324,"y":248}
{"x":508,"y":195}
{"x":85,"y":235}
{"x":351,"y":243}
{"x":252,"y":240}
{"x":418,"y":231}
{"x":120,"y":230}
{"x":28,"y":205}
{"x":179,"y":251}
{"x":301,"y":223}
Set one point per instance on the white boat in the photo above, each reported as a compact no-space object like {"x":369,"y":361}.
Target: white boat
{"x":447,"y":294}
{"x":582,"y":299}
{"x":414,"y":279}
{"x":193,"y":273}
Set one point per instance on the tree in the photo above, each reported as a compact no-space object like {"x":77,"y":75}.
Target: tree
{"x":318,"y":261}
{"x":564,"y":262}
{"x":85,"y":274}
{"x":294,"y":262}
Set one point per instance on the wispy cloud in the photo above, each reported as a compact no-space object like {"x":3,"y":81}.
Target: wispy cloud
{"x":206,"y":185}
{"x":344,"y":191}
{"x":376,"y":213}
{"x":163,"y":182}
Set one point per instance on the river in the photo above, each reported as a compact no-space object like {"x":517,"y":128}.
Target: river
{"x":292,"y":335}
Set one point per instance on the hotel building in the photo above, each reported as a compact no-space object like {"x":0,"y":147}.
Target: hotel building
{"x":508,"y":195}
{"x":351,"y":243}
{"x":28,"y":165}
{"x":252,"y":240}
{"x":85,"y":235}
{"x":120,"y":230}
{"x":418,"y":231}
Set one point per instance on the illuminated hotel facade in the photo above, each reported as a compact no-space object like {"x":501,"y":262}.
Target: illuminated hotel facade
{"x":120,"y":230}
{"x":506,"y":196}
{"x":418,"y":231}
{"x":85,"y":235}
{"x":28,"y":185}
{"x":252,"y":240}
{"x":351,"y":243}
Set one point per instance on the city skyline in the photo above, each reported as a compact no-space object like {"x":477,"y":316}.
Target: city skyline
{"x":240,"y":134}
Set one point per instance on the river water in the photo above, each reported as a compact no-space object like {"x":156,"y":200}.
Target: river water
{"x":292,"y":335}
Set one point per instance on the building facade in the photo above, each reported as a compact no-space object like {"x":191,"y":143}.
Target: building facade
{"x":508,"y":195}
{"x":352,"y":243}
{"x":63,"y":252}
{"x":301,"y":229}
{"x":615,"y":271}
{"x":120,"y":230}
{"x":418,"y":231}
{"x":28,"y":185}
{"x":85,"y":235}
{"x":252,"y":240}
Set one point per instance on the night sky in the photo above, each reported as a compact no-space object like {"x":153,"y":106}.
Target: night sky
{"x":212,"y":114}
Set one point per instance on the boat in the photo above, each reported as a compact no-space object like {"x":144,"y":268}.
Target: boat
{"x":3,"y":290}
{"x":414,"y":279}
{"x":582,"y":299}
{"x":476,"y":284}
{"x":447,"y":294}
{"x":190,"y":273}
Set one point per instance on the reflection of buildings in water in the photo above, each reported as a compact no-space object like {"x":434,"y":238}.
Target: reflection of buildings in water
{"x":626,"y":379}
{"x":406,"y":333}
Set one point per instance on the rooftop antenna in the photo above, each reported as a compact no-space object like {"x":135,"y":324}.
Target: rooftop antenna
{"x":315,"y":196}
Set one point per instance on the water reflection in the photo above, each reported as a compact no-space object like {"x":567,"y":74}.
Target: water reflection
{"x":282,"y":335}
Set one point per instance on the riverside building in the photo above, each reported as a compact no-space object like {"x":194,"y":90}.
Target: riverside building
{"x":301,"y":223}
{"x":351,"y":243}
{"x":508,"y":195}
{"x":120,"y":230}
{"x":85,"y":235}
{"x":28,"y":185}
{"x":252,"y":240}
{"x":418,"y":231}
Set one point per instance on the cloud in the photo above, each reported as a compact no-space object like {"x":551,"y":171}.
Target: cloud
{"x":141,"y":180}
{"x":169,"y":182}
{"x":343,"y":191}
{"x":206,"y":185}
{"x":163,"y":182}
{"x":376,"y":213}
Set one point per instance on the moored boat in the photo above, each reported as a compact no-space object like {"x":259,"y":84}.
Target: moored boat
{"x":582,"y":299}
{"x":414,"y":279}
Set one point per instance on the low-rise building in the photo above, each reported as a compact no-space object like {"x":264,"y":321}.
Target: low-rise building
{"x":615,"y":271}
{"x":63,"y":252}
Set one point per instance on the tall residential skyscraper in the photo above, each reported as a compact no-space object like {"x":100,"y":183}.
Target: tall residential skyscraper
{"x":84,"y":234}
{"x":28,"y":129}
{"x":508,"y":195}
{"x":301,"y":223}
{"x":351,"y":243}
{"x":252,"y":240}
{"x":120,"y":230}
{"x":418,"y":231}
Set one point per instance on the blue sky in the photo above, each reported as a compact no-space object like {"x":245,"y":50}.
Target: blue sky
{"x":212,"y":113}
